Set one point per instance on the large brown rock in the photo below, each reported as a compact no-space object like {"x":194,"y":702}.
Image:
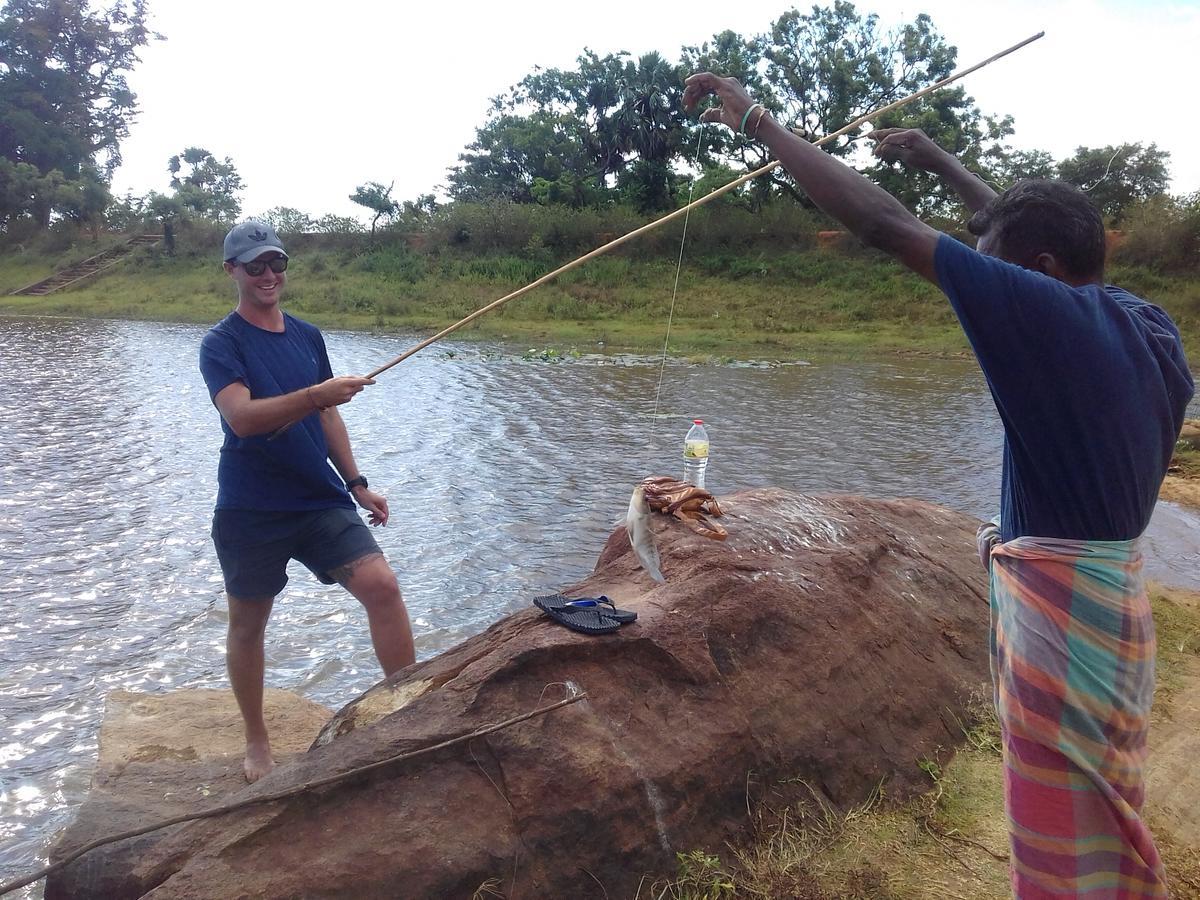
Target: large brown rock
{"x":832,"y":639}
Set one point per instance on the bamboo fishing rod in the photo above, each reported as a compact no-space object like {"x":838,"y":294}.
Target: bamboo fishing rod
{"x":707,"y":198}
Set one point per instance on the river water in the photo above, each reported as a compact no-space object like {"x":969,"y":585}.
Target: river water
{"x":504,"y":474}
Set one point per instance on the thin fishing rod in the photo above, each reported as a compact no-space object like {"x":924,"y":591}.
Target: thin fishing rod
{"x":683,"y":210}
{"x":707,"y":198}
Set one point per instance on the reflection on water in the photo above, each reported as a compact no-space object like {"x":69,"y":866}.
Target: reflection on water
{"x":504,"y":478}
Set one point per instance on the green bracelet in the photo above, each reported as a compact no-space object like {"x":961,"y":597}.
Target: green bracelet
{"x":742,"y":127}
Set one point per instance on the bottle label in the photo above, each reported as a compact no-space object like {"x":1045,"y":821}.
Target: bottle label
{"x":695,"y":449}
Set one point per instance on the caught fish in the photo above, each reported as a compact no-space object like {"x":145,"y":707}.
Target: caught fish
{"x":641,"y":537}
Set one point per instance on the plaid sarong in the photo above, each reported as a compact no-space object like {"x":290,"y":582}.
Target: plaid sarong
{"x":1072,"y":646}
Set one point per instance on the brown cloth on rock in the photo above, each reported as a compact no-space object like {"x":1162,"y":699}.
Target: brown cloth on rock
{"x":686,"y":502}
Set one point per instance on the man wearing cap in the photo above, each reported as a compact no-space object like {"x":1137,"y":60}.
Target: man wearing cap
{"x":278,"y":497}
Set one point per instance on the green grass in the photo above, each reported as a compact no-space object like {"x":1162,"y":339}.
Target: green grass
{"x":755,"y":303}
{"x":1187,"y":461}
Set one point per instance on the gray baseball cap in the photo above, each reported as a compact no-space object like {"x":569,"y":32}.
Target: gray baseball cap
{"x":250,"y":240}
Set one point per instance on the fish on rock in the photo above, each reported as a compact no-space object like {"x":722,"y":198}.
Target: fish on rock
{"x":641,"y":537}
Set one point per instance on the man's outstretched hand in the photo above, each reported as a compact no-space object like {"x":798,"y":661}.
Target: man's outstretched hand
{"x":734,"y":99}
{"x":910,"y":146}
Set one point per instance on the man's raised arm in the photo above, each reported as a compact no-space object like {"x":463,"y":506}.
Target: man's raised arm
{"x":873,"y":214}
{"x":913,"y":147}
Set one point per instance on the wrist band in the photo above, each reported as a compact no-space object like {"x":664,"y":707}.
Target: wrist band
{"x":308,"y":394}
{"x":762,"y":112}
{"x":742,"y":127}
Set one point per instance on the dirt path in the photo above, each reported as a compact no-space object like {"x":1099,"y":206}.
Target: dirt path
{"x":1182,"y":484}
{"x":1172,"y":776}
{"x":1182,"y":490}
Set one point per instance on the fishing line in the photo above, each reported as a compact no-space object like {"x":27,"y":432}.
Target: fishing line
{"x":1107,"y":169}
{"x":678,"y":268}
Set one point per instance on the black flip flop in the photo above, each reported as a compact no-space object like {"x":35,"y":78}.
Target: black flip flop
{"x":585,"y":619}
{"x":601,"y":603}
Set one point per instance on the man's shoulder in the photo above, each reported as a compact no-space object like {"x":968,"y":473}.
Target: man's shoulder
{"x":227,"y":326}
{"x":965,"y":273}
{"x":221,"y":333}
{"x":301,"y":325}
{"x":1150,"y":314}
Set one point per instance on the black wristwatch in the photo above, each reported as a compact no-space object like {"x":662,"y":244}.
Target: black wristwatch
{"x":360,"y":481}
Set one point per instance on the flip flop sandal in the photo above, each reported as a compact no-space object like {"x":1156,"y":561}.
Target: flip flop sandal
{"x":585,"y":619}
{"x":602,"y":603}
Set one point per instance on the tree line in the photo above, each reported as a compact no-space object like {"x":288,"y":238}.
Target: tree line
{"x":608,"y":131}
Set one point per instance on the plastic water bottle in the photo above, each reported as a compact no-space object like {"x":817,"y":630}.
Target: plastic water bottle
{"x":695,"y":453}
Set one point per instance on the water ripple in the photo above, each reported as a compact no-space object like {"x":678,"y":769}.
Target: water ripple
{"x":504,"y":478}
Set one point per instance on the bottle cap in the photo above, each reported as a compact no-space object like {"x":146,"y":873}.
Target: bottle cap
{"x":697,"y":421}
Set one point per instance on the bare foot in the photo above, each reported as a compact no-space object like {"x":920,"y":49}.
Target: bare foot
{"x":258,"y":761}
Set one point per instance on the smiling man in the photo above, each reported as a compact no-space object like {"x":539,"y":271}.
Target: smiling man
{"x":278,"y":498}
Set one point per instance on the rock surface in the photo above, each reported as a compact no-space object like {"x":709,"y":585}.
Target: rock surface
{"x":164,"y":755}
{"x":832,"y":639}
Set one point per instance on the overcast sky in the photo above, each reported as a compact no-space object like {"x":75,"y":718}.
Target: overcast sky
{"x":310,"y":99}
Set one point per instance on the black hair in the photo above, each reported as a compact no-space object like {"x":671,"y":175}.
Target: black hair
{"x":1043,"y":216}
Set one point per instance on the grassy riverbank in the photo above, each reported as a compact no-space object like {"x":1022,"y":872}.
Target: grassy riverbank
{"x":773,"y":302}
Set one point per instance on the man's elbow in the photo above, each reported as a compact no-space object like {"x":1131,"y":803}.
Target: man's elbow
{"x":910,"y":241}
{"x":239,"y":423}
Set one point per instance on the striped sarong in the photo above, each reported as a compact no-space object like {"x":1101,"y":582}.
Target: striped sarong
{"x":1072,"y":647}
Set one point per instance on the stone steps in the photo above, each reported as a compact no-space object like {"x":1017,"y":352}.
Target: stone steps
{"x":86,"y":268}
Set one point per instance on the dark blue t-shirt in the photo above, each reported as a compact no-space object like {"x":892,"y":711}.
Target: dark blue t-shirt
{"x":1091,"y":384}
{"x":291,"y":472}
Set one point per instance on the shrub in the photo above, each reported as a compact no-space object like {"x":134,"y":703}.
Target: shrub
{"x":1163,"y":234}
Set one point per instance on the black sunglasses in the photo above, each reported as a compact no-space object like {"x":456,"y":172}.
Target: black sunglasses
{"x":256,"y":267}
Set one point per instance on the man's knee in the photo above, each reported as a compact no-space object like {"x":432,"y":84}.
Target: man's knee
{"x":248,"y":619}
{"x":372,"y":581}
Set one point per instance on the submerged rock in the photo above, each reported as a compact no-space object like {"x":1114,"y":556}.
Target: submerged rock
{"x":831,"y":639}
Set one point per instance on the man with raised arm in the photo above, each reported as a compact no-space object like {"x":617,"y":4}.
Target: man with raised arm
{"x":278,"y":498}
{"x":1091,"y":384}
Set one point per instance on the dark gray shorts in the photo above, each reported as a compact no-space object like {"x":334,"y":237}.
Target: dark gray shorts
{"x":254,"y":547}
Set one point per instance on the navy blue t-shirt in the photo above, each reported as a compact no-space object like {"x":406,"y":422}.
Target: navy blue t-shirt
{"x":291,"y":472}
{"x":1091,"y":384}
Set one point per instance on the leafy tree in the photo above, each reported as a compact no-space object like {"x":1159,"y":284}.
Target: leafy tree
{"x":567,"y":136}
{"x":65,"y":104}
{"x":377,"y":198}
{"x":1117,"y":177}
{"x":539,"y":158}
{"x":828,"y":67}
{"x":167,"y":209}
{"x":833,"y":65}
{"x":634,"y":125}
{"x":287,"y":220}
{"x":206,"y":186}
{"x":331,"y":224}
{"x":1008,"y":168}
{"x":415,"y":215}
{"x":126,"y":213}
